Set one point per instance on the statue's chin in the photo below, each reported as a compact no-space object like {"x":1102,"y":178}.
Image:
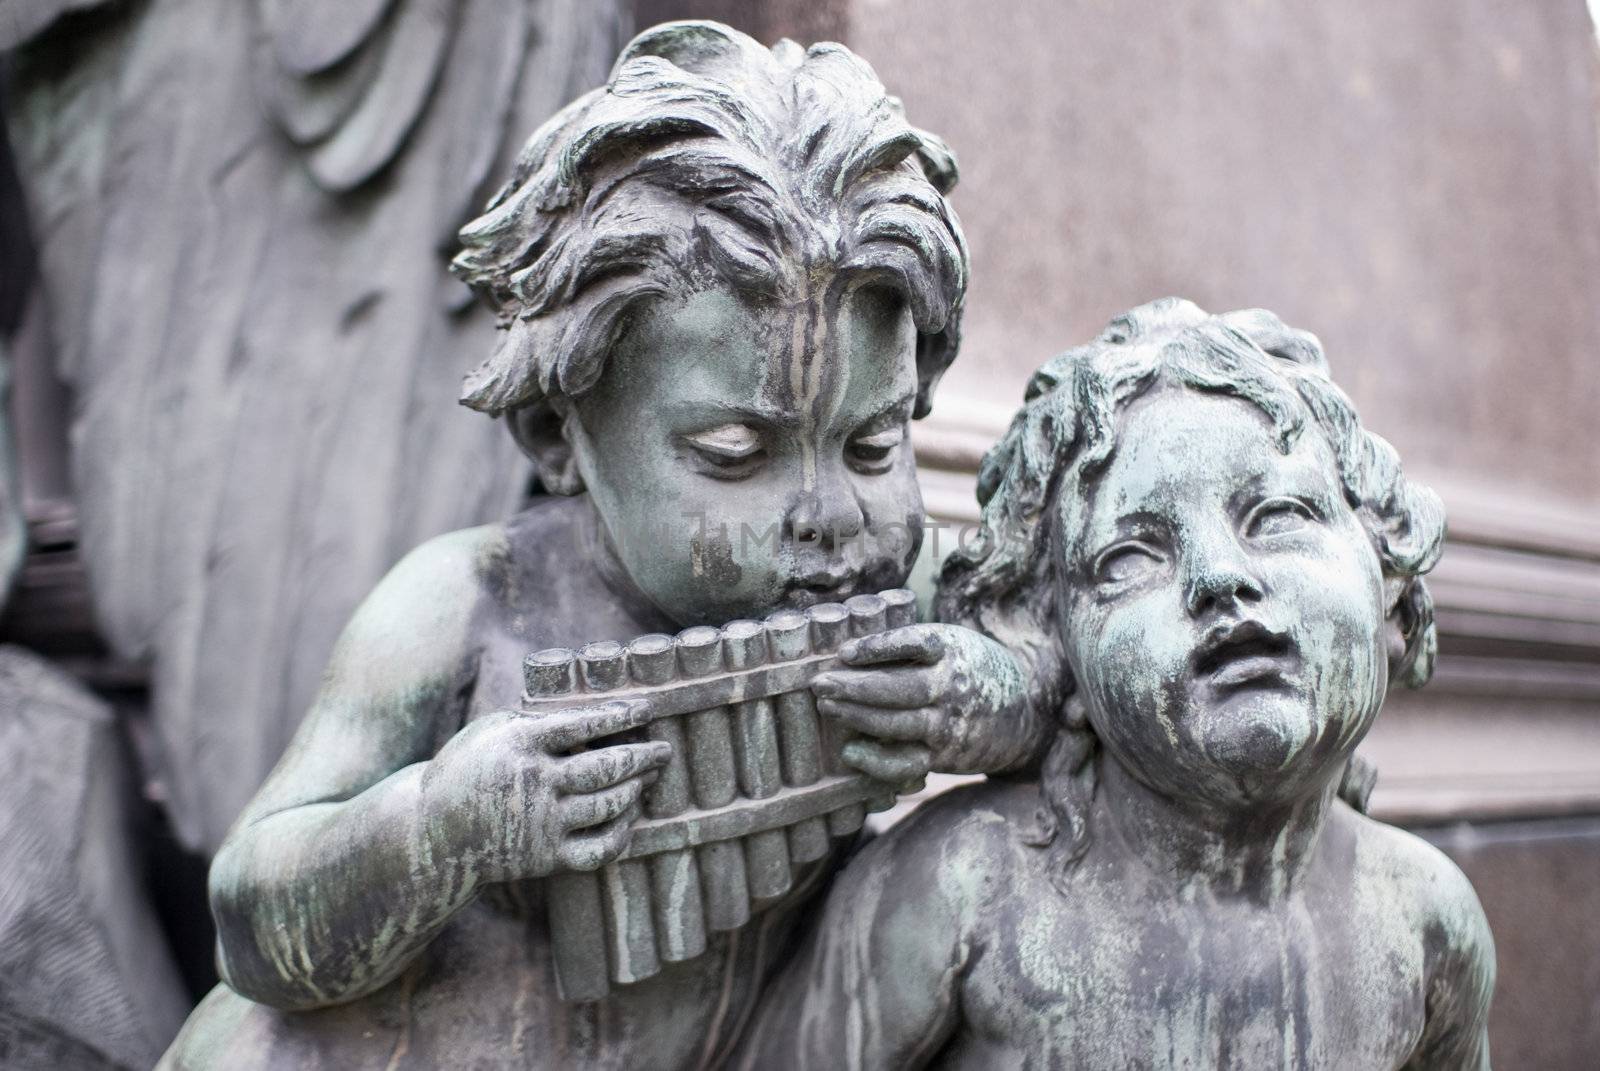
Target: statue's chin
{"x":1256,"y":740}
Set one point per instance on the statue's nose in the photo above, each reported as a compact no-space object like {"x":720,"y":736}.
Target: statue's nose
{"x":831,"y":512}
{"x":1219,"y":576}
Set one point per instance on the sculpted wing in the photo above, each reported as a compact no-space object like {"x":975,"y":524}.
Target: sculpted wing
{"x":243,"y":214}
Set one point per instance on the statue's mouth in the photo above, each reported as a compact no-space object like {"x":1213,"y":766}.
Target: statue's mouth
{"x":1244,"y":653}
{"x":820,"y":586}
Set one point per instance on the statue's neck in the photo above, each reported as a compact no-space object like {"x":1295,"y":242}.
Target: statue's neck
{"x":1257,"y":852}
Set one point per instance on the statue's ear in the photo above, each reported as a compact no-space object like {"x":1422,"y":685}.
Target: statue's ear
{"x":540,"y":428}
{"x":1409,"y":636}
{"x":1397,"y":625}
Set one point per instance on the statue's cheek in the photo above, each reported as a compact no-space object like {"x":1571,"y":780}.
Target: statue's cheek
{"x":1140,"y":661}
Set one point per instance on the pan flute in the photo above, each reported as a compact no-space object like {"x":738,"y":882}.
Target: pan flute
{"x":754,"y":788}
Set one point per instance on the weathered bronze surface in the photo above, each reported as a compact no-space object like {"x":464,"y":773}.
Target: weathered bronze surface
{"x":727,"y":281}
{"x":1216,"y":574}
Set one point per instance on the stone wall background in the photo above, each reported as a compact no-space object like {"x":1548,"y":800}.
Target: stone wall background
{"x":1416,"y":183}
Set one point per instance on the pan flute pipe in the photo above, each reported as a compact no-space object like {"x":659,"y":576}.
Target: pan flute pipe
{"x":572,"y":897}
{"x":675,"y":896}
{"x":799,"y":733}
{"x":709,"y":756}
{"x":624,"y":884}
{"x":755,"y":786}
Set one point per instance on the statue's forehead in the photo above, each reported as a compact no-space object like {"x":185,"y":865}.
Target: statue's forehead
{"x":1178,"y":447}
{"x":1179,"y":440}
{"x":802,"y":357}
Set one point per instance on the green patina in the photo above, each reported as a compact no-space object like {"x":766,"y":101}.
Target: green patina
{"x":1214,"y":574}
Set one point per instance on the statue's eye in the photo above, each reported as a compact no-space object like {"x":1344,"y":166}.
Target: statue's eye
{"x":729,"y":448}
{"x":874,"y":451}
{"x":1125,"y":562}
{"x":1279,"y":516}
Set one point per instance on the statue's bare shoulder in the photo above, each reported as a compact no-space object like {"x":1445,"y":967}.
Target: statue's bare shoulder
{"x":392,"y":689}
{"x":936,"y":891}
{"x":418,"y":642}
{"x":965,"y":847}
{"x":1440,"y":900}
{"x":1414,"y":875}
{"x":1435,"y":903}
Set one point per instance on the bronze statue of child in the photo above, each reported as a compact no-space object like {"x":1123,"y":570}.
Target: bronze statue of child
{"x":1191,"y":540}
{"x":728,"y":280}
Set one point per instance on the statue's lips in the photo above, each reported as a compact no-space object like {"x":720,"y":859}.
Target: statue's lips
{"x":1242,"y":653}
{"x":799,"y":598}
{"x":822,"y":586}
{"x":1244,"y":671}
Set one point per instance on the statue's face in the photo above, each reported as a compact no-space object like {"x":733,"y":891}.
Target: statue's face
{"x":1224,"y":610}
{"x":747,"y":455}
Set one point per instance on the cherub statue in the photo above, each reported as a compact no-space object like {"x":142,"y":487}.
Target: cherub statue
{"x":728,"y":280}
{"x":1189,"y":536}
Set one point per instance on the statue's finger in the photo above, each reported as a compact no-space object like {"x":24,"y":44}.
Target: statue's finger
{"x":594,"y":770}
{"x":919,"y":725}
{"x":897,"y":764}
{"x":594,"y":848}
{"x":912,"y":643}
{"x":898,"y":687}
{"x":569,"y":728}
{"x":580,"y":812}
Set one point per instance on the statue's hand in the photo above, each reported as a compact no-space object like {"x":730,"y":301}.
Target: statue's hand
{"x":916,"y":694}
{"x":503,"y":794}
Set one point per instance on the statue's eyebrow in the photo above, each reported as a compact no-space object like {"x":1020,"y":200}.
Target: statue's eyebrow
{"x":1137,"y":518}
{"x":900,"y":405}
{"x":1088,"y":540}
{"x":757,"y":413}
{"x":1301,"y":474}
{"x":1253,"y":486}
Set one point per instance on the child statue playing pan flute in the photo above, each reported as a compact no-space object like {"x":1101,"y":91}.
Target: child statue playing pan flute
{"x":728,"y":279}
{"x":1190,"y":537}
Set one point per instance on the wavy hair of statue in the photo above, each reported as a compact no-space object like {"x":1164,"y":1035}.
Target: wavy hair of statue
{"x":707,"y":158}
{"x":1003,"y":582}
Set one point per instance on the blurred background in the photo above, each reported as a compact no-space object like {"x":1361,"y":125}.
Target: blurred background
{"x":233,"y":354}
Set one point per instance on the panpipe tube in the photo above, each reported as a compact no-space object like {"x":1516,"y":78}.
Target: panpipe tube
{"x":573,"y":898}
{"x":899,"y":607}
{"x":630,"y":933}
{"x":757,"y":762}
{"x":674,"y":876}
{"x":799,"y":735}
{"x":900,"y":610}
{"x":867,"y":614}
{"x":830,"y":628}
{"x":550,"y":673}
{"x":724,"y":885}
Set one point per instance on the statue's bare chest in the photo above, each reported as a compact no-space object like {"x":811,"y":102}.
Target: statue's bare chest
{"x":511,"y":627}
{"x":1176,"y":986}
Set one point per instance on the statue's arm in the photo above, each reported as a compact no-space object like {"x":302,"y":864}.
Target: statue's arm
{"x":1460,"y":982}
{"x":876,"y":980}
{"x":332,"y":879}
{"x":383,"y":820}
